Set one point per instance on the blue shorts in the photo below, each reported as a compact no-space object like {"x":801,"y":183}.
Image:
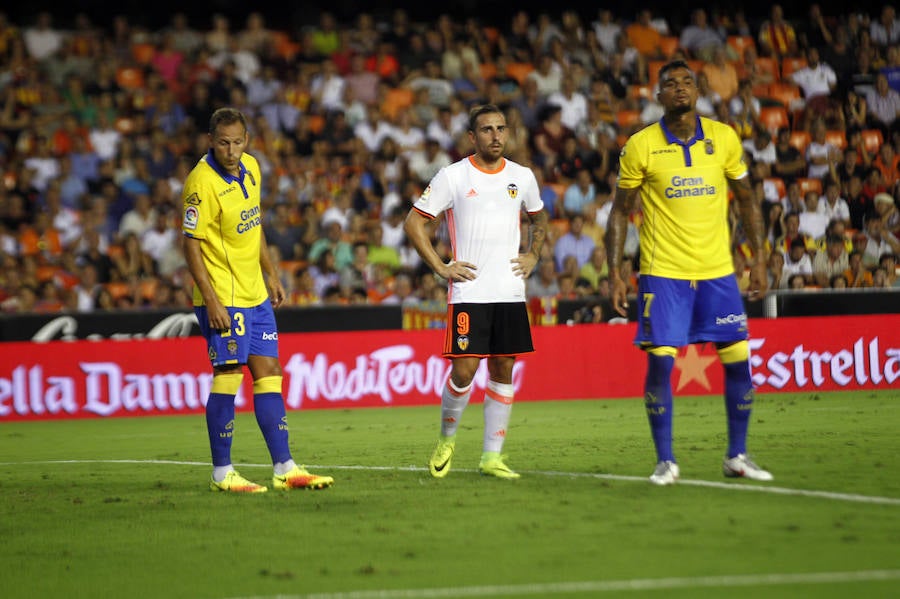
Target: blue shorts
{"x":676,"y":312}
{"x":253,"y":332}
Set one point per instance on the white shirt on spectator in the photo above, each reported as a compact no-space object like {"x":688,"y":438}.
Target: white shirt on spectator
{"x":815,"y":81}
{"x":839,"y":211}
{"x":813,"y":223}
{"x":574,"y":107}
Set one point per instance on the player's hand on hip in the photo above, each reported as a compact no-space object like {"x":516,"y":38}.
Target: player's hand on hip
{"x":459,"y":271}
{"x":523,"y":264}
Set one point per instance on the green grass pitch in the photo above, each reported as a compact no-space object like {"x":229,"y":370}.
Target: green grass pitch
{"x":120,"y":508}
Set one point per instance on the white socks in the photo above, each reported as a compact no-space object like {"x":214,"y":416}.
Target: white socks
{"x":282,"y":468}
{"x":219,"y":472}
{"x":453,"y":402}
{"x":498,"y":401}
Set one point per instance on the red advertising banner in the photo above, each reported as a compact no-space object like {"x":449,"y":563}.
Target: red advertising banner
{"x":89,"y":379}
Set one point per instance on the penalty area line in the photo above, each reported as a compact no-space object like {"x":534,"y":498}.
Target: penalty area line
{"x":605,"y":586}
{"x":735,"y":486}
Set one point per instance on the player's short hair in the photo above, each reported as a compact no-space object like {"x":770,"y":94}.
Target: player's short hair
{"x":477,"y":111}
{"x":671,"y":66}
{"x":226,"y":116}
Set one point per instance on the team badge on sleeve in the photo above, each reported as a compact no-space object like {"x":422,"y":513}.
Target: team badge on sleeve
{"x":191,"y":217}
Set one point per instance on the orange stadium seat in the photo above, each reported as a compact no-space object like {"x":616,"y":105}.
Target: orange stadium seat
{"x":778,"y":182}
{"x":130,"y":78}
{"x":653,"y":67}
{"x":519,"y":70}
{"x":397,"y":99}
{"x":117,"y":289}
{"x":488,"y":71}
{"x":696,"y":65}
{"x":147,"y":288}
{"x":668,"y":44}
{"x":740,"y":42}
{"x":800,"y":139}
{"x":774,"y":118}
{"x":872,"y":140}
{"x":627,"y":118}
{"x":789,"y":65}
{"x":639,"y":92}
{"x":784,"y":93}
{"x":285,"y":47}
{"x":767,"y":64}
{"x":289,"y":267}
{"x":807,"y":184}
{"x":837,"y":138}
{"x":143,"y":53}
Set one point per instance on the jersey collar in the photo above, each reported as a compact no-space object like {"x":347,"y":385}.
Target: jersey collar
{"x":228,"y":177}
{"x":698,"y":134}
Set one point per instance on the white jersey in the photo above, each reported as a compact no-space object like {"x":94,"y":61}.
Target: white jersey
{"x":483,"y":215}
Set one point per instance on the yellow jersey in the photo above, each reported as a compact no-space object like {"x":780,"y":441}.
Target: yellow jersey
{"x":684,"y":195}
{"x":224,"y":212}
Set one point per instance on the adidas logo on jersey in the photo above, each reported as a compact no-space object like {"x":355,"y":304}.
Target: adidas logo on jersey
{"x":471,"y":193}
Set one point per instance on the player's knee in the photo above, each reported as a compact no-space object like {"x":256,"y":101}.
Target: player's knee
{"x":267,"y":384}
{"x":227,"y":383}
{"x":736,"y":352}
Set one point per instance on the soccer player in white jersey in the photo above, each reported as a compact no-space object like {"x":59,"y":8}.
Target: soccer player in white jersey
{"x":683,"y":167}
{"x":483,"y":196}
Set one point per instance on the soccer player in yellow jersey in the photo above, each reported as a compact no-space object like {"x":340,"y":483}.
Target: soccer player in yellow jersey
{"x":682,"y":167}
{"x":226,"y":254}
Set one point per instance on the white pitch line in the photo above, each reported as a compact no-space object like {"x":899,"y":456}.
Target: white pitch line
{"x":605,"y":586}
{"x":753,"y":488}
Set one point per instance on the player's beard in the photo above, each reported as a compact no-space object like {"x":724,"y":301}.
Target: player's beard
{"x":680,"y":109}
{"x":493,"y":153}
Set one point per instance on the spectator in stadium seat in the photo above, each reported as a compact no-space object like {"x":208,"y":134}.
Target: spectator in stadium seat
{"x":886,"y":210}
{"x":812,"y":221}
{"x":857,"y":275}
{"x":643,"y":36}
{"x":573,"y":243}
{"x":880,"y":242}
{"x":818,"y":81}
{"x":790,"y":163}
{"x":578,"y":193}
{"x":777,"y":37}
{"x":796,"y":262}
{"x":833,"y":261}
{"x":721,"y":74}
{"x":889,"y":263}
{"x":832,"y":205}
{"x":700,"y":39}
{"x":821,"y":155}
{"x":543,"y":282}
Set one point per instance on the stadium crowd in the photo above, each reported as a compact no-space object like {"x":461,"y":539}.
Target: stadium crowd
{"x":350,"y":120}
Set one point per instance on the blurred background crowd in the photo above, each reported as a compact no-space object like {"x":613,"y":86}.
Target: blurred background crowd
{"x":350,"y":118}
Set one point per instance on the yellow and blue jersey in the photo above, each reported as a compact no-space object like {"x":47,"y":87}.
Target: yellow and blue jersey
{"x":224,"y":211}
{"x":684,"y":194}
